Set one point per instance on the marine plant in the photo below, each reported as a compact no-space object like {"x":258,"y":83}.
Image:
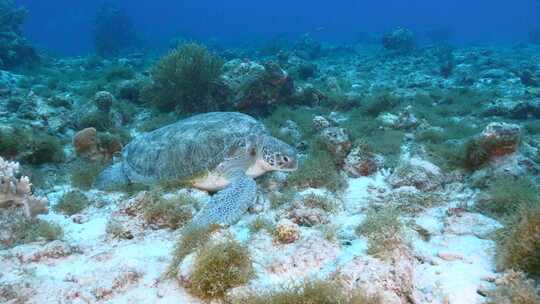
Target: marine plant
{"x":192,"y":238}
{"x":518,"y":244}
{"x":318,"y":171}
{"x":359,"y":125}
{"x":170,"y":212}
{"x":10,"y":143}
{"x":387,"y":143}
{"x":119,"y":72}
{"x":514,"y":288}
{"x":101,"y":121}
{"x":72,"y":203}
{"x":83,"y":174}
{"x":185,"y":80}
{"x":30,"y":146}
{"x":36,"y":229}
{"x":44,"y":148}
{"x":383,"y":229}
{"x":321,"y":201}
{"x":302,"y":116}
{"x":280,"y":198}
{"x":532,"y":126}
{"x":261,"y":223}
{"x":310,"y":291}
{"x":475,"y":154}
{"x":379,"y":103}
{"x":219,"y":267}
{"x":508,"y":194}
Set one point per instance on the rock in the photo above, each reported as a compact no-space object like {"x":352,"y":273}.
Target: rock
{"x":104,"y":101}
{"x":305,"y":216}
{"x":418,"y":173}
{"x":37,"y":253}
{"x":85,"y":142}
{"x":467,"y":223}
{"x":320,"y":123}
{"x":495,"y":74}
{"x":61,"y":100}
{"x":91,"y":145}
{"x":256,"y":88}
{"x":336,"y":141}
{"x":527,"y":109}
{"x":403,"y":120}
{"x":286,"y":231}
{"x":497,"y":139}
{"x":360,"y":162}
{"x":503,"y":137}
{"x":117,"y":229}
{"x":306,"y":94}
{"x":448,"y":256}
{"x":401,"y":40}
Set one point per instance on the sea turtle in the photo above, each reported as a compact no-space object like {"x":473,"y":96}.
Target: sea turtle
{"x":218,"y":151}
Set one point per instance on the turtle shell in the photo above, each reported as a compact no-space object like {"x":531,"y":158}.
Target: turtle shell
{"x":190,"y":147}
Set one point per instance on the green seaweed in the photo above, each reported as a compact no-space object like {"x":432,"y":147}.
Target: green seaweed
{"x":219,"y":267}
{"x":72,"y":203}
{"x":185,"y":80}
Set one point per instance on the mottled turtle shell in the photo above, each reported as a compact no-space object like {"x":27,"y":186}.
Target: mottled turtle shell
{"x":191,"y":147}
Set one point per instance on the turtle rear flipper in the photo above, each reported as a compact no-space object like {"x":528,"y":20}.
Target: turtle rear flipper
{"x":111,"y":177}
{"x":228,"y":205}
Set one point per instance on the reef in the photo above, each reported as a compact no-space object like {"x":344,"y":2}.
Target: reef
{"x":417,"y":182}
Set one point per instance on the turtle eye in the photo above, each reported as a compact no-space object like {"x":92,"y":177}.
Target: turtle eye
{"x":286,"y":159}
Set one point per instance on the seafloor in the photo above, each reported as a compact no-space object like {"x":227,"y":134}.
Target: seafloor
{"x":417,"y":181}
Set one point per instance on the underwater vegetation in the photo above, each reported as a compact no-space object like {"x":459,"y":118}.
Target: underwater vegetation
{"x":185,"y":80}
{"x":72,"y":203}
{"x":514,"y":288}
{"x":318,"y":171}
{"x":518,"y":242}
{"x":219,"y":267}
{"x":171,"y":212}
{"x":193,"y":237}
{"x":113,"y":31}
{"x":35,"y":230}
{"x":384,"y":231}
{"x":30,"y":145}
{"x":311,"y":292}
{"x":507,"y":195}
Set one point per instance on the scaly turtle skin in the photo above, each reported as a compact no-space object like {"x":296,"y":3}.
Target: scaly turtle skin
{"x":214,"y":151}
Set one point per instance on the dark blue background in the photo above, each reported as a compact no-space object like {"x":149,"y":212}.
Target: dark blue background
{"x":65,"y":26}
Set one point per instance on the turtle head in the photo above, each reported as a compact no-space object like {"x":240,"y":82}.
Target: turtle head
{"x":278,"y":155}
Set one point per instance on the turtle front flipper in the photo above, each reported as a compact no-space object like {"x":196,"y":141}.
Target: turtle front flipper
{"x":228,"y":205}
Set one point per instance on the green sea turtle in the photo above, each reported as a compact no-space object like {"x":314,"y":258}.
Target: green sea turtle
{"x":219,"y":151}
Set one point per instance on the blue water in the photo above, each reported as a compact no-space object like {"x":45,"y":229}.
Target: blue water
{"x":64,"y":26}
